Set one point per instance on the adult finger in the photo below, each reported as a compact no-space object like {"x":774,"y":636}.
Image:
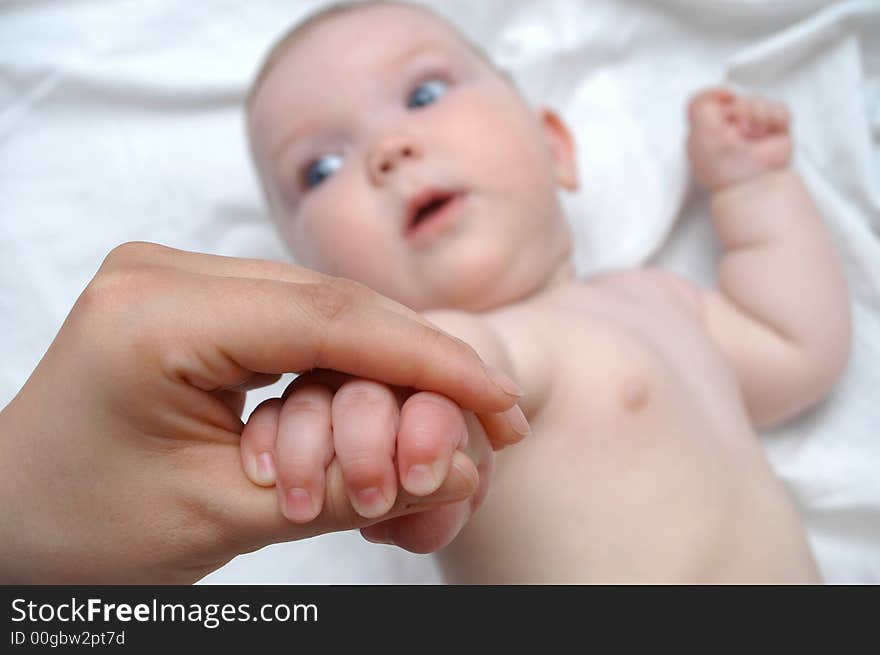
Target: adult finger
{"x":142,"y":254}
{"x":505,"y":428}
{"x":233,"y":327}
{"x":139,"y":254}
{"x":425,"y":532}
{"x":255,"y":381}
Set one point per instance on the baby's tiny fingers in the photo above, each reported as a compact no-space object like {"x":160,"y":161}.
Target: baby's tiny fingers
{"x":710,"y":106}
{"x":765,"y":112}
{"x":754,"y":117}
{"x":303,"y":450}
{"x":462,"y":483}
{"x":441,"y":524}
{"x":431,"y":428}
{"x":365,"y":423}
{"x":258,"y":443}
{"x":779,"y":115}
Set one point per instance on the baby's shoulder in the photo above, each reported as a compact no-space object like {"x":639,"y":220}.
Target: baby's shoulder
{"x":652,"y":286}
{"x":477,"y":330}
{"x":507,"y":339}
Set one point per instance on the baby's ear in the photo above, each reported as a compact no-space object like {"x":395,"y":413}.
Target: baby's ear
{"x":562,"y":148}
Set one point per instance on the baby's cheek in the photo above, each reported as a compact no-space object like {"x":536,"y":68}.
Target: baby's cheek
{"x":509,"y":151}
{"x":356,"y":250}
{"x":325,"y":239}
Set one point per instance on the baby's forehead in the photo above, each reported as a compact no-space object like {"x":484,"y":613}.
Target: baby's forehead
{"x":367,"y":29}
{"x":346,"y":50}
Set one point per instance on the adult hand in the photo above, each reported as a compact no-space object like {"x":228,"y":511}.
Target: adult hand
{"x":119,"y":458}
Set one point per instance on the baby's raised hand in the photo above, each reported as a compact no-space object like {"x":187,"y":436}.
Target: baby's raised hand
{"x":735,"y":138}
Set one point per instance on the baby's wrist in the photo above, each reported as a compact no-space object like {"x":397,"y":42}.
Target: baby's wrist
{"x":751,"y":184}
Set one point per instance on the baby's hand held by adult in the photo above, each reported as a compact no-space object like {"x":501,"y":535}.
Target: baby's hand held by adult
{"x":395,"y":449}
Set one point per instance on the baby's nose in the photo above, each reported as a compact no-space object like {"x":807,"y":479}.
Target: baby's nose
{"x":388,"y":154}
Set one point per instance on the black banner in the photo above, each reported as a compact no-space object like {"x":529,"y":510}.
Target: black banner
{"x":38,"y":619}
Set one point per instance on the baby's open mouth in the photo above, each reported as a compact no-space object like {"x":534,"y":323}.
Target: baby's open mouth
{"x":428,"y":207}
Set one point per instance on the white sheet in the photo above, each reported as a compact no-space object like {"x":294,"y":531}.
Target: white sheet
{"x":121,"y":121}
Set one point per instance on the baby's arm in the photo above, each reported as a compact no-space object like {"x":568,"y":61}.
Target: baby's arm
{"x":781,"y":312}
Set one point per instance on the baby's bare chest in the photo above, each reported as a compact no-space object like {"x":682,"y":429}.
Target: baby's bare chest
{"x":604,"y":355}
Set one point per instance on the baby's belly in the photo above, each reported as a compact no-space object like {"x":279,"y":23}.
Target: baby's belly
{"x":640,"y":467}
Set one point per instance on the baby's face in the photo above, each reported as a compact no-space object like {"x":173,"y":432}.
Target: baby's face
{"x":394,"y":155}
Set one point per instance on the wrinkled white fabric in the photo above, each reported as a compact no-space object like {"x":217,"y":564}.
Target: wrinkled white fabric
{"x":122,"y":121}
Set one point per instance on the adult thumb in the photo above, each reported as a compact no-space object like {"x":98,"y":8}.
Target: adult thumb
{"x":256,"y":519}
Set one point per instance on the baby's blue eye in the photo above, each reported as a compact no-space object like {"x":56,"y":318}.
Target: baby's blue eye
{"x":426,"y":93}
{"x":322,"y":168}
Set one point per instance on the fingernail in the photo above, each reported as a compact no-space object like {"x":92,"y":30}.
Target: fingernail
{"x":461,"y":484}
{"x":298,"y":505}
{"x":370,"y":503}
{"x":377,"y":534}
{"x":265,"y":469}
{"x":422,"y":479}
{"x":507,"y":385}
{"x":517,"y":421}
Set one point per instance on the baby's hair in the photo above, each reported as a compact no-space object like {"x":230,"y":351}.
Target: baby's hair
{"x":336,"y":9}
{"x":298,"y":30}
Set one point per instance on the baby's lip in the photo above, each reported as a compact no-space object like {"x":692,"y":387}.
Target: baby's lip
{"x":427,"y":207}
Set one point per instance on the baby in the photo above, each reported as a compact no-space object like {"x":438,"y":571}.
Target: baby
{"x":392,"y":152}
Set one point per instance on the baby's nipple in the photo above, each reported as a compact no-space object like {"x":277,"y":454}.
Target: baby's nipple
{"x":635,"y":394}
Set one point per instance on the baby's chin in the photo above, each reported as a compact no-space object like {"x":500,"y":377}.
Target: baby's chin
{"x":469,"y":274}
{"x":485,"y":299}
{"x":485,"y":284}
{"x":453,"y":290}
